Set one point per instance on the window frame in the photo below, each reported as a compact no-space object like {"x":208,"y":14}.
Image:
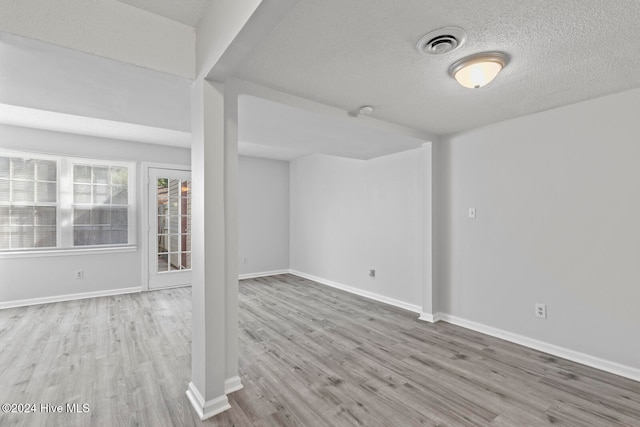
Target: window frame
{"x":65,"y":204}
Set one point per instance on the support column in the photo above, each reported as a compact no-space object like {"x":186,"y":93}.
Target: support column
{"x":427,"y":234}
{"x":227,"y":32}
{"x":208,"y":176}
{"x":232,"y":379}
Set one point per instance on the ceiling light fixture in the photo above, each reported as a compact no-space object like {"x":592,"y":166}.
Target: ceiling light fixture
{"x":478,"y":70}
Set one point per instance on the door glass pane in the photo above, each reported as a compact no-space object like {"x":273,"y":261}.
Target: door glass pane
{"x":186,"y":261}
{"x":163,"y":263}
{"x":174,"y":224}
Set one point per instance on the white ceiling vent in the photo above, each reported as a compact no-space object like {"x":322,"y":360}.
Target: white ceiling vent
{"x":442,"y":40}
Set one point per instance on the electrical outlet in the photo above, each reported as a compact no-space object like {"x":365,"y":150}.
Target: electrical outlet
{"x":472,"y":213}
{"x":372,"y":274}
{"x":79,"y":274}
{"x":541,"y":311}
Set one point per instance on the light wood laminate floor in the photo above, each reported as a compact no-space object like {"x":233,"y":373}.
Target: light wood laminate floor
{"x":310,"y":356}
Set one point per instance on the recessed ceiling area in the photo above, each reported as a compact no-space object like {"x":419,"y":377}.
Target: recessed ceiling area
{"x":273,"y":130}
{"x":344,"y":54}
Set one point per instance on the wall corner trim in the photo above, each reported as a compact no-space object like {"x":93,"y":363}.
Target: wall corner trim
{"x":360,"y":292}
{"x":70,"y":297}
{"x":232,"y":384}
{"x":565,"y":353}
{"x":206,"y":409}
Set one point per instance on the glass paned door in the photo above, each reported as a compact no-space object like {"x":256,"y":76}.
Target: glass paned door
{"x":169,"y":228}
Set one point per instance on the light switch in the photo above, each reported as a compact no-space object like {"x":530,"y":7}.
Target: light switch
{"x":472,"y":213}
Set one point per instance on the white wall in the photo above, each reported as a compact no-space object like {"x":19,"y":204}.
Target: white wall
{"x":106,"y":28}
{"x":557,"y":201}
{"x":263,"y":215}
{"x":38,"y":277}
{"x":43,"y":76}
{"x":349,"y":216}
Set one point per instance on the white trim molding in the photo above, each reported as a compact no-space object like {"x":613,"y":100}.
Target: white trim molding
{"x":360,"y":292}
{"x":206,"y":409}
{"x":71,"y":297}
{"x":431,"y":318}
{"x":91,"y":126}
{"x":68,"y":252}
{"x":232,"y":384}
{"x":143,"y":187}
{"x":565,"y":353}
{"x":262,"y":274}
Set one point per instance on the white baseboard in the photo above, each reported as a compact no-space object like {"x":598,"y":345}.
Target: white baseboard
{"x":262,"y":274}
{"x":232,"y":384}
{"x":206,"y":409}
{"x":71,"y":297}
{"x":360,"y":292}
{"x":565,"y":353}
{"x":427,"y":317}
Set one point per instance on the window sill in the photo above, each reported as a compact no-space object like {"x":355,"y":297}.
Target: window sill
{"x":68,"y":252}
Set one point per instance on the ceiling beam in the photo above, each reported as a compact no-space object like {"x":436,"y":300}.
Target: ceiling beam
{"x":230,"y":30}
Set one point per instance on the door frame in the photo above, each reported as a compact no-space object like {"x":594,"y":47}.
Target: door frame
{"x":143,"y":218}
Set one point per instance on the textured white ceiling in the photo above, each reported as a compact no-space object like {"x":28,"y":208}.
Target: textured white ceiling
{"x":350,"y":53}
{"x":186,"y":11}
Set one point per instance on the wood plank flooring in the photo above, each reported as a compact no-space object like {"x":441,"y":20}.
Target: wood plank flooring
{"x":310,"y":356}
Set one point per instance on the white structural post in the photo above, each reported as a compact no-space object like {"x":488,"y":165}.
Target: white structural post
{"x":209,"y":327}
{"x":226,"y":33}
{"x":427,"y":234}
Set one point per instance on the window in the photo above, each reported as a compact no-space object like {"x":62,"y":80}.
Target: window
{"x":60,"y":202}
{"x":100,"y":205}
{"x":28,"y":200}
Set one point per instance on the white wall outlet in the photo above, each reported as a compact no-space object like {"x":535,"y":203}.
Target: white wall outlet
{"x":541,"y":311}
{"x":79,"y":274}
{"x":372,"y":274}
{"x":472,"y":213}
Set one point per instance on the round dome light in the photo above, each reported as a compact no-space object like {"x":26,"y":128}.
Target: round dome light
{"x":478,"y":70}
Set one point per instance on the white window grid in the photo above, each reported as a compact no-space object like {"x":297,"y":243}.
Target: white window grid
{"x":65,"y":205}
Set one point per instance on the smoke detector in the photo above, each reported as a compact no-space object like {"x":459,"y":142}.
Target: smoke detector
{"x":366,"y":110}
{"x":442,"y":40}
